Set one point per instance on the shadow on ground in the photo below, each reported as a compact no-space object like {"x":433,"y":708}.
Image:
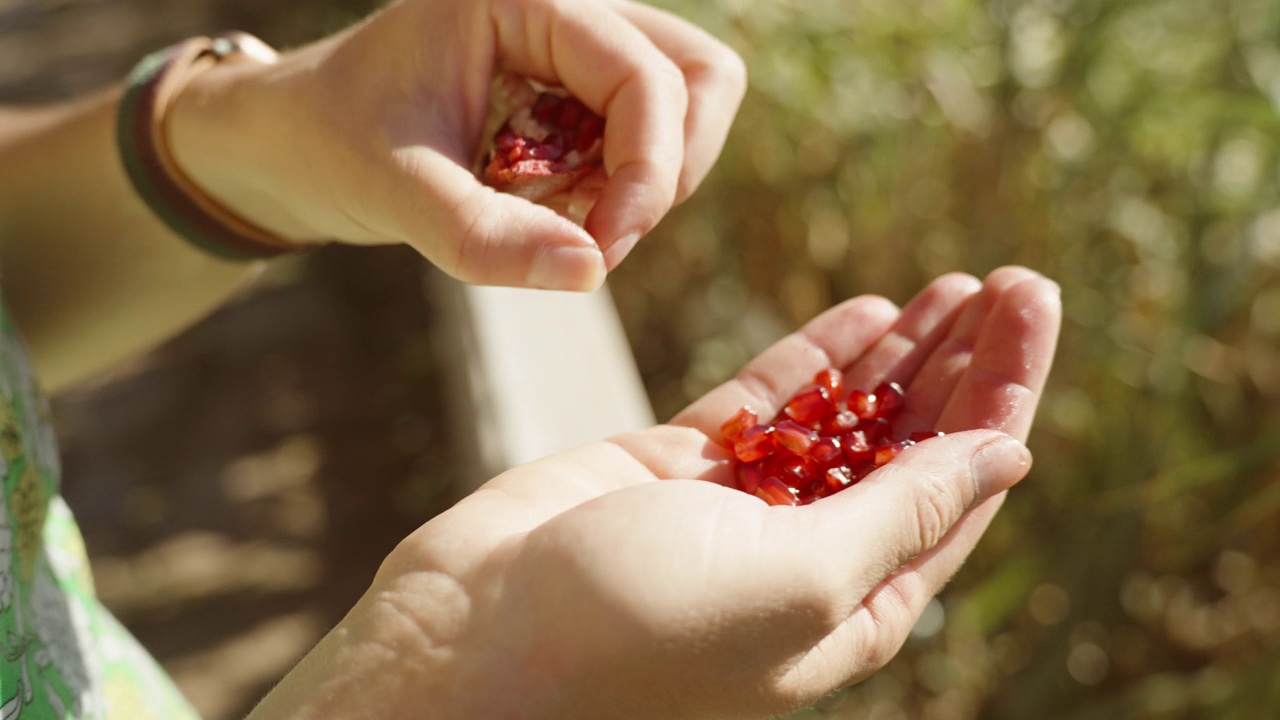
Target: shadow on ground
{"x":239,"y":486}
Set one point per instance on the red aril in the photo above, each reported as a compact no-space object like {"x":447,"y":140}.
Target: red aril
{"x":756,"y":442}
{"x":733,"y":428}
{"x":838,"y":423}
{"x":548,"y":143}
{"x":810,"y":405}
{"x":833,"y":381}
{"x":772,"y":491}
{"x":862,"y":404}
{"x":825,"y":451}
{"x":889,"y":399}
{"x":823,"y":441}
{"x":794,"y":437}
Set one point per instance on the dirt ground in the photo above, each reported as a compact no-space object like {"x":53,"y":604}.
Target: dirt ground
{"x":238,"y":487}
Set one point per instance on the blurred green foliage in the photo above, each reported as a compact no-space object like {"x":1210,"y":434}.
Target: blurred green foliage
{"x":1129,"y":151}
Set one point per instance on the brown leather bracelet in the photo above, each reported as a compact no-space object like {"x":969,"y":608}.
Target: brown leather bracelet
{"x":148,"y":158}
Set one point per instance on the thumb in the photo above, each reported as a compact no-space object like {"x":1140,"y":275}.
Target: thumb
{"x":490,"y":238}
{"x":907,"y":507}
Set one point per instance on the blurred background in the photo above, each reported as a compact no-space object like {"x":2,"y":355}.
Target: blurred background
{"x":239,"y":486}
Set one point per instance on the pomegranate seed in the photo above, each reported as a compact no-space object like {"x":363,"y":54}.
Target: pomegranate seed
{"x":506,"y":139}
{"x":772,"y":491}
{"x":794,"y":437}
{"x":877,"y":430}
{"x":547,"y":108}
{"x":825,"y":451}
{"x":833,"y":381}
{"x":839,"y":478}
{"x":814,"y":491}
{"x":543,"y":151}
{"x":756,"y":442}
{"x":590,"y":130}
{"x":856,"y":447}
{"x":748,"y":477}
{"x":862,"y":404}
{"x":731,"y":431}
{"x":813,"y":448}
{"x":572,"y":112}
{"x":516,"y":152}
{"x":889,"y":399}
{"x":840,"y":423}
{"x":810,"y":405}
{"x":885,"y":453}
{"x":862,"y":470}
{"x":923,"y":435}
{"x":793,"y":471}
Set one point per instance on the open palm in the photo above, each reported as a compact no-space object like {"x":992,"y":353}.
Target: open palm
{"x":624,"y":580}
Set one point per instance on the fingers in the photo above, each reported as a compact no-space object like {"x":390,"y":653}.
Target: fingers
{"x":876,"y":629}
{"x":616,"y":70}
{"x":833,"y":339}
{"x":716,"y":79}
{"x":498,"y":239}
{"x":932,"y":388}
{"x":923,"y":324}
{"x":905,"y":508}
{"x":1012,"y":353}
{"x":668,"y":90}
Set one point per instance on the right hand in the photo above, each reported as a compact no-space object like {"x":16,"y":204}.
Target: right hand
{"x":368,"y":136}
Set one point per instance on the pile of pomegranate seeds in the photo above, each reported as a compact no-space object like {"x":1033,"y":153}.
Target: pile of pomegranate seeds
{"x":545,"y":147}
{"x":821,"y":443}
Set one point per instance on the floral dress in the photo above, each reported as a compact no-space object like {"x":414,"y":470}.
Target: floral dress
{"x":62,"y":654}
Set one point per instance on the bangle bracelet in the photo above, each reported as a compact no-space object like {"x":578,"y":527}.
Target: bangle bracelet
{"x":148,"y":160}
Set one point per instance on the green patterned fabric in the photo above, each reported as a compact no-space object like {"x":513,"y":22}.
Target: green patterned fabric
{"x":62,"y":654}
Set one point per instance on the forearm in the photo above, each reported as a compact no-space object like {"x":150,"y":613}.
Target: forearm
{"x":392,"y":656}
{"x":90,"y":274}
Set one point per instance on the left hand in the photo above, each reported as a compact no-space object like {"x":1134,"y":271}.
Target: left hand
{"x":369,"y":136}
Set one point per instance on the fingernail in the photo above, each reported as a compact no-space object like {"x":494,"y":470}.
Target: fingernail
{"x":999,"y":465}
{"x":567,"y":267}
{"x":619,"y":249}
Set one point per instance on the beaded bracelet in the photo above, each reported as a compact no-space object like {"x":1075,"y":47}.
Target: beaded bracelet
{"x":148,"y":159}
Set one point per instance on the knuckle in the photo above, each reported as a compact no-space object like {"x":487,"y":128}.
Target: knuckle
{"x":471,"y":246}
{"x":935,"y":510}
{"x":729,"y":66}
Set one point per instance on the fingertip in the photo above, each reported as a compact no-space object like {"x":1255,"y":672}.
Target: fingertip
{"x":616,"y":252}
{"x":567,"y":267}
{"x":634,"y":200}
{"x":998,"y":465}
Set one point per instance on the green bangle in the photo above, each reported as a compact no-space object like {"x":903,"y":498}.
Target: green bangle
{"x":144,"y":150}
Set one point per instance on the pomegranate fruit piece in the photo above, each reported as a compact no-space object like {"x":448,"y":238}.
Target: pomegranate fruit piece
{"x":548,"y":143}
{"x":817,"y":445}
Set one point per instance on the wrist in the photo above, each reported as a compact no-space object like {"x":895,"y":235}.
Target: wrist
{"x":392,"y":656}
{"x":223,"y":131}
